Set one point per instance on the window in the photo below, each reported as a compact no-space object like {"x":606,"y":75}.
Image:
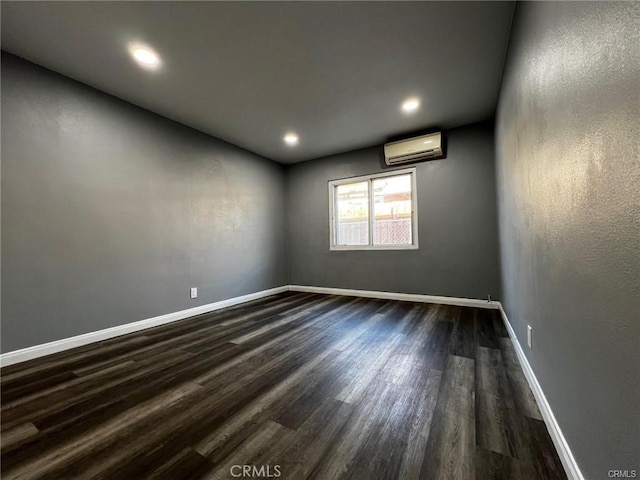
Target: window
{"x":374,"y":212}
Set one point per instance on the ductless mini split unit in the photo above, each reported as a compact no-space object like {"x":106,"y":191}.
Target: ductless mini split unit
{"x":415,"y":149}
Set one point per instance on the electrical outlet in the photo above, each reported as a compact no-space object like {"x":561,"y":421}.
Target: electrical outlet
{"x":529,"y":333}
{"x":194,"y":292}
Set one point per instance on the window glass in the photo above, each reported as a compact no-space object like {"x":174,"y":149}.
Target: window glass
{"x":392,"y":210}
{"x":352,"y":214}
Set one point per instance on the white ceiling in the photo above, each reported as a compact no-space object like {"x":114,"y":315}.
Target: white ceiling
{"x":248,"y":72}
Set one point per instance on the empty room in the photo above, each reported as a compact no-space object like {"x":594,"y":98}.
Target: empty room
{"x":320,"y":240}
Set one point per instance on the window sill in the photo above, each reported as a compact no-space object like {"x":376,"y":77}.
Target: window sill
{"x":351,"y":248}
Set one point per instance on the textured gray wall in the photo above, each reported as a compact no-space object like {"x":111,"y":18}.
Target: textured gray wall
{"x":458,"y":254}
{"x":568,"y":179}
{"x":111,"y":213}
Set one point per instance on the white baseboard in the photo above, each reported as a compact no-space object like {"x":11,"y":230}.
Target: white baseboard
{"x":408,"y":297}
{"x":36,"y":351}
{"x":564,"y":452}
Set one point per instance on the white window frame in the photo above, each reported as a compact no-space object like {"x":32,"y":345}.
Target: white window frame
{"x":370,"y":178}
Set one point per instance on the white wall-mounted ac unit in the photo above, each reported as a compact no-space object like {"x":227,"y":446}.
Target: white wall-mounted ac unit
{"x":414,"y":149}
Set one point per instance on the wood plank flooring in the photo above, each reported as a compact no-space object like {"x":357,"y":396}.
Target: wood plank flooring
{"x":294,"y":386}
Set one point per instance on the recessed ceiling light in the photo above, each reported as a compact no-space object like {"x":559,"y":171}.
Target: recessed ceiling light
{"x":410,"y":105}
{"x":144,"y":56}
{"x":291,"y":139}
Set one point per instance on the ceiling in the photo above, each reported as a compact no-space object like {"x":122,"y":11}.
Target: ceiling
{"x":336,"y":73}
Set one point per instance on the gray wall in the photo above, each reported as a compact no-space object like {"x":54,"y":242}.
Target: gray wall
{"x":458,"y":254}
{"x":111,"y":213}
{"x":568,"y":178}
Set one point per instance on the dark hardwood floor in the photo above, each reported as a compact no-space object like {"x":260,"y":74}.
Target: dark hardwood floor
{"x":297,"y":385}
